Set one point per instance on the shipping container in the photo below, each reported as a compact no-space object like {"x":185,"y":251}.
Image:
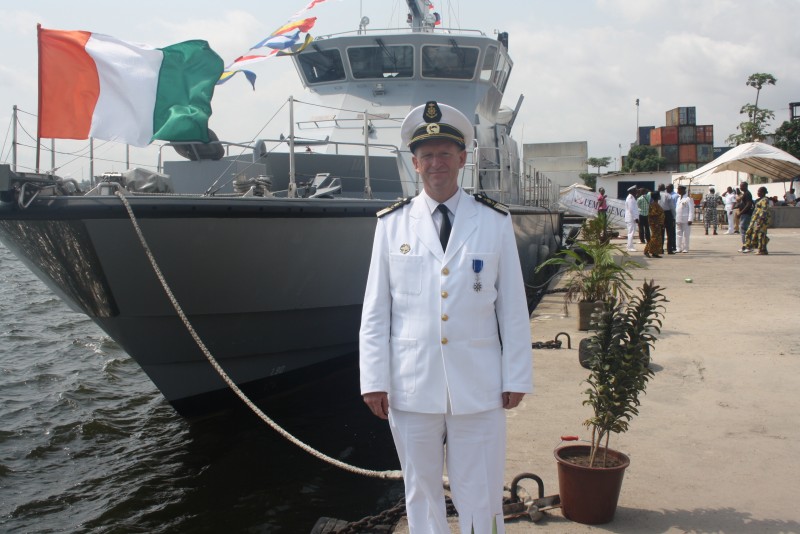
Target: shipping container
{"x":687,"y":167}
{"x":687,"y":135}
{"x":644,"y":134}
{"x":687,"y":153}
{"x":720,"y":150}
{"x":669,"y":153}
{"x":673,"y":117}
{"x":669,"y":135}
{"x":686,"y":116}
{"x":705,"y":153}
{"x":655,"y":137}
{"x":705,"y":135}
{"x":689,"y":118}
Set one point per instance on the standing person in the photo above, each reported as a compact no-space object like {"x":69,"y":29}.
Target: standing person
{"x":643,"y":203}
{"x":710,"y":202}
{"x":435,"y":311}
{"x":631,"y":216}
{"x":756,"y":238}
{"x":746,"y":207}
{"x":730,"y":202}
{"x":790,"y":198}
{"x":602,"y":205}
{"x":655,"y":217}
{"x":736,"y":221}
{"x":668,"y":205}
{"x":684,"y":211}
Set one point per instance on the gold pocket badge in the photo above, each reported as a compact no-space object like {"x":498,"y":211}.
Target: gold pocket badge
{"x":405,"y":248}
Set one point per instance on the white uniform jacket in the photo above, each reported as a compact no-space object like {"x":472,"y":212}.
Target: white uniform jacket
{"x":631,"y":209}
{"x":684,"y":211}
{"x":426,"y":331}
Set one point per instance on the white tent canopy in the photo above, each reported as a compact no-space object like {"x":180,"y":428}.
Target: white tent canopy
{"x":753,"y":158}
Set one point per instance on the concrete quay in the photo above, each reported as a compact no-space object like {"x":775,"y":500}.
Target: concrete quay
{"x":716,"y":445}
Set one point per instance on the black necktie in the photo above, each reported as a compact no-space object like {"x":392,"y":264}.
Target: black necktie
{"x":444,"y":229}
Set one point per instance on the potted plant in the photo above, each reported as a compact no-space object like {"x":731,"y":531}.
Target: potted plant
{"x":592,"y":270}
{"x":590,"y":476}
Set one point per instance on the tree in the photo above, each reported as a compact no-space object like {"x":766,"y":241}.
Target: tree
{"x":787,"y":137}
{"x":754,"y":128}
{"x":590,"y":179}
{"x":598,"y":162}
{"x":643,"y":158}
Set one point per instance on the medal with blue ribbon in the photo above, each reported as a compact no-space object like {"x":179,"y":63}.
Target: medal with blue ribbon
{"x":477,"y":267}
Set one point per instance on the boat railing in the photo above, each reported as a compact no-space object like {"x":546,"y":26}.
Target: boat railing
{"x":539,"y":190}
{"x":392,"y":31}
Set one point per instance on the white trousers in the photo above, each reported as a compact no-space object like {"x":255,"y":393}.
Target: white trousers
{"x":731,"y":227}
{"x":475,"y":456}
{"x":631,"y":227}
{"x":683,"y":231}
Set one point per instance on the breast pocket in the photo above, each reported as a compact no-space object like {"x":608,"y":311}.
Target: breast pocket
{"x":405,"y":274}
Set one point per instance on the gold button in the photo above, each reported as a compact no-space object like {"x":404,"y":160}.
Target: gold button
{"x":445,"y":317}
{"x":445,"y":271}
{"x":444,"y":294}
{"x":444,"y":341}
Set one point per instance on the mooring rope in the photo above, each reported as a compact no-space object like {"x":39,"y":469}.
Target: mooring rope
{"x":390,"y":475}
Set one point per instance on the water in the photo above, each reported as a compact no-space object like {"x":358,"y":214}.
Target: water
{"x":87,"y":443}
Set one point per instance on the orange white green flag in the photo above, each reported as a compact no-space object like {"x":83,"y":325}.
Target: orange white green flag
{"x":94,"y":85}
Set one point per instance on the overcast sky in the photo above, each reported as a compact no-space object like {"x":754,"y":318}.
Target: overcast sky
{"x":580,"y":64}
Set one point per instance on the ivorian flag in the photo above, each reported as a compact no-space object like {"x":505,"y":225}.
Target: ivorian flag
{"x":93,"y":85}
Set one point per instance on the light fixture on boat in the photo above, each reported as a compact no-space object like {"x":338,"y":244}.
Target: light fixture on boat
{"x":362,"y":26}
{"x":378,"y":90}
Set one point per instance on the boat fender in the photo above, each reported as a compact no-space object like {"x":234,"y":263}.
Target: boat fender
{"x":498,"y":207}
{"x":397,"y":205}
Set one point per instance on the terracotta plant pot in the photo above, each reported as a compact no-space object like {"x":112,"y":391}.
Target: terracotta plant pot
{"x":585,"y":310}
{"x":589,"y":495}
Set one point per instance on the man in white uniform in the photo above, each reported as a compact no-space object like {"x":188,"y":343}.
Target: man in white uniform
{"x":445,"y":340}
{"x":730,"y":199}
{"x":631,"y":216}
{"x":684,"y":213}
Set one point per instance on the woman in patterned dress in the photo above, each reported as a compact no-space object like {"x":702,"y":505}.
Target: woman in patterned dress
{"x":756,"y":236}
{"x":655,"y":218}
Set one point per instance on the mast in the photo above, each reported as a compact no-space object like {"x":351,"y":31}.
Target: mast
{"x":419,"y":15}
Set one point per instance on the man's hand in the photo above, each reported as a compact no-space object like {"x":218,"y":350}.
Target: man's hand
{"x":511,"y":399}
{"x":378,"y":403}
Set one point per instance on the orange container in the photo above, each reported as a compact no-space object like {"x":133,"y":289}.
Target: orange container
{"x":669,"y":135}
{"x":687,"y":154}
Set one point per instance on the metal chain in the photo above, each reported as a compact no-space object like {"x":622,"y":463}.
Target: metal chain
{"x":391,"y":475}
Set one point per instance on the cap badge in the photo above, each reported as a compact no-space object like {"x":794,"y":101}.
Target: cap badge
{"x":432,"y":112}
{"x":433,"y":128}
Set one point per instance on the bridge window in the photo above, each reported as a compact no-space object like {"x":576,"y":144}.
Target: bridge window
{"x":488,"y":63}
{"x":449,"y":61}
{"x":381,"y":61}
{"x":320,"y":66}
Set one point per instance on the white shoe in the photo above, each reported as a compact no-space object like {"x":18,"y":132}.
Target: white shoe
{"x":631,"y":250}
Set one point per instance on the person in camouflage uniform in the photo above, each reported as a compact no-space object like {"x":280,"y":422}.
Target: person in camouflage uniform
{"x":710,"y":202}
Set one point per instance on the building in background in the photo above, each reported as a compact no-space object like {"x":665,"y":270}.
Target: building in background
{"x":562,"y":163}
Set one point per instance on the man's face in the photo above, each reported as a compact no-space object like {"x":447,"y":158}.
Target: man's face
{"x":438,"y":163}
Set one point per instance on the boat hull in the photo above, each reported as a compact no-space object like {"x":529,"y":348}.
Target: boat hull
{"x":273,"y":287}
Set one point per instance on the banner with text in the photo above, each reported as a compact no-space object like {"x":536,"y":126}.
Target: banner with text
{"x":584,"y":202}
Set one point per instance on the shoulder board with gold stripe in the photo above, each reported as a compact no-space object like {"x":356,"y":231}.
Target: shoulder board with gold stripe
{"x":483,"y":199}
{"x":397,"y":205}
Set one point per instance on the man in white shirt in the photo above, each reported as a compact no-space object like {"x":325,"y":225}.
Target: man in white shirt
{"x":631,"y":216}
{"x":684,"y":212}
